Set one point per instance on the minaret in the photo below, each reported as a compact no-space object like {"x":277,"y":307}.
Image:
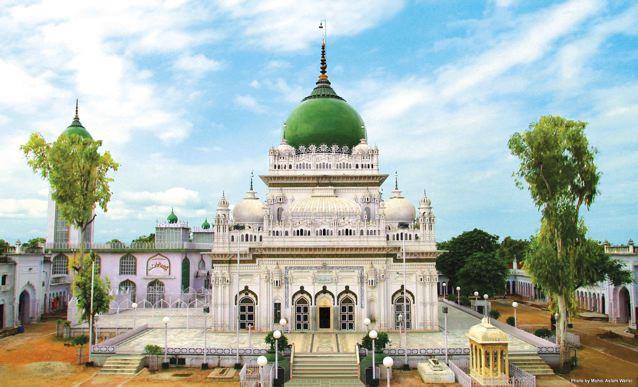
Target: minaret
{"x":426,"y":218}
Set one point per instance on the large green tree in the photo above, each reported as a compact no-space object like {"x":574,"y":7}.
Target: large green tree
{"x":483,"y":272}
{"x":78,"y":175}
{"x":511,"y":249}
{"x":82,"y":291}
{"x":460,"y":248}
{"x":34,"y":244}
{"x":557,"y":165}
{"x":4,"y":245}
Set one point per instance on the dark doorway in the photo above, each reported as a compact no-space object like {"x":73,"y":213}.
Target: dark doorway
{"x":1,"y":316}
{"x":24,"y":306}
{"x":324,"y":318}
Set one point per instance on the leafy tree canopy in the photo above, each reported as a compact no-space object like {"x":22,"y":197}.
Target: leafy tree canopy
{"x":483,"y":272}
{"x":145,"y":238}
{"x":82,"y":290}
{"x":511,"y":248}
{"x":461,"y":247}
{"x":34,"y":244}
{"x":4,"y":246}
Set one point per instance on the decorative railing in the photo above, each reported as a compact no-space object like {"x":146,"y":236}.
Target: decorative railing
{"x":251,"y":375}
{"x":134,"y":246}
{"x":454,"y":351}
{"x":517,"y":376}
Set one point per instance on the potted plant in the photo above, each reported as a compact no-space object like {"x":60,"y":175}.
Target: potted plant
{"x":153,"y":352}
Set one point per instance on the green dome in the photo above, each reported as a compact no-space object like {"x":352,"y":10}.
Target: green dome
{"x":323,"y":117}
{"x":172,"y":218}
{"x":206,"y":225}
{"x":76,"y":127}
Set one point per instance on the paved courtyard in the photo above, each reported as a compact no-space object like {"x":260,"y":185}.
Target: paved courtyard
{"x":178,"y":336}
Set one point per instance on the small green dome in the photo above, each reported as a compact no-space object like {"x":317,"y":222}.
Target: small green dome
{"x":76,"y":127}
{"x":323,"y":117}
{"x":206,"y":225}
{"x":172,"y":218}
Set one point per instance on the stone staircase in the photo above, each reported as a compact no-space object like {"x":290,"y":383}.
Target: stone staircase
{"x":325,"y":369}
{"x":122,"y":365}
{"x":531,"y":363}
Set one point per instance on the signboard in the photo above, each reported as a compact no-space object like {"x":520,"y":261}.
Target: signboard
{"x":158,"y":266}
{"x":324,"y":277}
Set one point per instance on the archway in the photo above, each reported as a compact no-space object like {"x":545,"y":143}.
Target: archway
{"x":624,"y":306}
{"x":24,"y":307}
{"x":302,"y":314}
{"x":324,"y":308}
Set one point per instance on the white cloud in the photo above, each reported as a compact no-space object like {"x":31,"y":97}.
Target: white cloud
{"x":249,"y":103}
{"x":290,"y":25}
{"x":23,"y":208}
{"x":197,"y":65}
{"x":175,"y":196}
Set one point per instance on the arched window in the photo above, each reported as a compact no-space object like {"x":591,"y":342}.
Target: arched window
{"x":346,"y":315}
{"x":60,"y":265}
{"x":246,"y":312}
{"x":302,"y":314}
{"x":128,"y":265}
{"x":186,"y":274}
{"x":399,"y":317}
{"x":367,"y":215}
{"x":128,"y":287}
{"x":155,"y":292}
{"x":201,"y":265}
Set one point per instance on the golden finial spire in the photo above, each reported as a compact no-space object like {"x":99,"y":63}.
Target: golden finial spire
{"x":323,"y":74}
{"x":251,"y":180}
{"x":77,"y":116}
{"x":396,"y":180}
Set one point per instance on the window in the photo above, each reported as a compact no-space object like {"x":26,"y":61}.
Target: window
{"x":4,"y":279}
{"x":155,"y":292}
{"x":398,"y":313}
{"x":128,"y":287}
{"x":201,"y":265}
{"x":302,"y":320}
{"x":60,"y":265}
{"x":186,"y":274}
{"x":276,"y":312}
{"x":246,"y":313}
{"x":128,"y":265}
{"x":280,"y":214}
{"x":346,"y":315}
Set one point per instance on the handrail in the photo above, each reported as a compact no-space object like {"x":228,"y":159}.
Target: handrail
{"x":292,"y":358}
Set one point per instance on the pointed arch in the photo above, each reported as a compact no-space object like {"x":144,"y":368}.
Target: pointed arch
{"x":324,"y":290}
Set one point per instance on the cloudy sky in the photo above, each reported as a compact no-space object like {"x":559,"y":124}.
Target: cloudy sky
{"x":189,"y":96}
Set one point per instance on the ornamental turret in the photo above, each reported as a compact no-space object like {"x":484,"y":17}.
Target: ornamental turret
{"x":426,"y":218}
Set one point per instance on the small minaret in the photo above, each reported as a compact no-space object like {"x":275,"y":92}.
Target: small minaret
{"x":426,"y":218}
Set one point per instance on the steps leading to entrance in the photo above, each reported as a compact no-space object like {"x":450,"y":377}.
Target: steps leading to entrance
{"x":122,"y":365}
{"x":325,"y":369}
{"x":531,"y":363}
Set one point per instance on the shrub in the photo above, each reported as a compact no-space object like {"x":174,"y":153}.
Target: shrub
{"x":465,"y":301}
{"x":270,"y":339}
{"x":543,"y":332}
{"x":495,"y":314}
{"x":511,"y":321}
{"x":379,"y":343}
{"x":151,"y":349}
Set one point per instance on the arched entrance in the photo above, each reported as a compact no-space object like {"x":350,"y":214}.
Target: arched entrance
{"x":324,"y":309}
{"x":624,"y":306}
{"x":24,"y":307}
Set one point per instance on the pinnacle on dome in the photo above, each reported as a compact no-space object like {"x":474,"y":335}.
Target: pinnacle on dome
{"x":172,"y":218}
{"x":206,"y":225}
{"x":76,"y":127}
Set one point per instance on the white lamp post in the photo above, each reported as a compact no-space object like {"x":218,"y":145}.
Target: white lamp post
{"x":250,"y":340}
{"x":388,"y":363}
{"x":445,"y":331}
{"x":373,"y":336}
{"x":515,"y":305}
{"x":283,"y":323}
{"x":261,"y":362}
{"x":165,"y":320}
{"x":444,"y":284}
{"x":458,"y":295}
{"x":205,"y":365}
{"x":277,"y":335}
{"x":476,"y":294}
{"x":134,"y":306}
{"x":485,"y":297}
{"x":367,"y":322}
{"x":556,"y":316}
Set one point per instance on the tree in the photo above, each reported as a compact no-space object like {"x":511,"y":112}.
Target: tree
{"x":34,"y":244}
{"x":379,"y":343}
{"x":511,"y":249}
{"x":485,"y":273}
{"x":270,"y":339}
{"x":145,"y":238}
{"x":81,"y":342}
{"x":4,"y":246}
{"x":557,"y":165}
{"x":82,"y":291}
{"x":460,"y":248}
{"x":77,"y":174}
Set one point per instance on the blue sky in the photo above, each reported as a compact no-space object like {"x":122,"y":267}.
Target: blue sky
{"x":189,"y":97}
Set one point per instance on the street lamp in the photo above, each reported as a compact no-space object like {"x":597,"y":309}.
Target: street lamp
{"x":556,"y":316}
{"x":250,"y":340}
{"x":366,"y":322}
{"x":205,"y":363}
{"x":261,"y":362}
{"x":515,"y":305}
{"x":476,"y":294}
{"x":165,"y":320}
{"x":134,"y":306}
{"x":388,"y":363}
{"x":277,"y":335}
{"x":485,"y":297}
{"x":445,"y":331}
{"x":373,"y":335}
{"x":283,"y":323}
{"x":458,"y":295}
{"x":444,"y":289}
